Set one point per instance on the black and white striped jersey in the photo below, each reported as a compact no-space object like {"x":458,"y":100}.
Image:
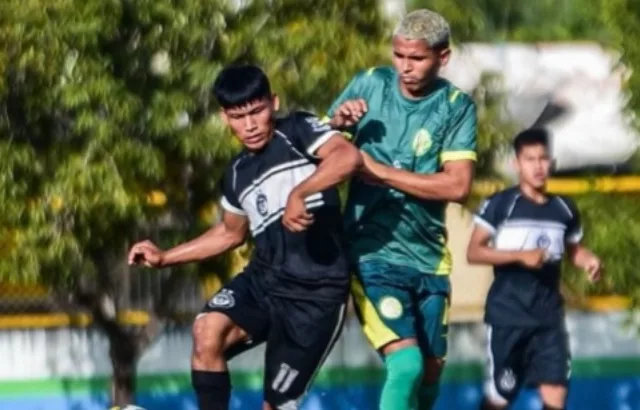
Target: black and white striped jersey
{"x":257,"y":185}
{"x":520,"y":296}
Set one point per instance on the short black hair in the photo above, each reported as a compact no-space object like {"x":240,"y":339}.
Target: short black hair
{"x":531,"y":136}
{"x":237,"y":85}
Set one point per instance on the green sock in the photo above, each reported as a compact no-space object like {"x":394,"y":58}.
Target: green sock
{"x":428,"y":396}
{"x":404,"y":375}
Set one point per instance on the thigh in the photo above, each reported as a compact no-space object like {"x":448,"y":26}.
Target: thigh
{"x":506,"y":357}
{"x":432,"y":299}
{"x":242,"y":300}
{"x":384,"y":303}
{"x":549,"y":356}
{"x":301,"y":337}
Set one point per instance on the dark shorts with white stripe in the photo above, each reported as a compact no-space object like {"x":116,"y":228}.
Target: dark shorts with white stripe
{"x":299,"y":333}
{"x":526,"y":356}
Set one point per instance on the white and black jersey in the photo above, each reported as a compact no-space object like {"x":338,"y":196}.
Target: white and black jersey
{"x":519,"y":295}
{"x":257,"y":185}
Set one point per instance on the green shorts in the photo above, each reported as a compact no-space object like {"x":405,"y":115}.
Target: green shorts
{"x":396,"y":302}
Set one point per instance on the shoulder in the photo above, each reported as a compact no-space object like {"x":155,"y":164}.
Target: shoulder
{"x":508,"y":194}
{"x":456,"y":99}
{"x":233,"y":165}
{"x":567,"y":205}
{"x":294,"y":120}
{"x":374,"y":76}
{"x":383,"y":73}
{"x":502,"y":199}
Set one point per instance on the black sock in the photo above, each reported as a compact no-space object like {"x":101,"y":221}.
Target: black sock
{"x":547,"y":407}
{"x":213,"y":389}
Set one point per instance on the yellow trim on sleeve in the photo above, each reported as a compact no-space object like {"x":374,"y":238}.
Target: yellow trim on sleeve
{"x":458,"y":155}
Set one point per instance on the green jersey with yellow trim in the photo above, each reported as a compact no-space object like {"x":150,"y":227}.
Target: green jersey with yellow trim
{"x":416,"y":135}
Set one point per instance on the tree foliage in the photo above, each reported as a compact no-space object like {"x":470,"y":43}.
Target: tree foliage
{"x":109,"y":132}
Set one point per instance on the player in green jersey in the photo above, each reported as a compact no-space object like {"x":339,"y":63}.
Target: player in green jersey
{"x":417,"y":133}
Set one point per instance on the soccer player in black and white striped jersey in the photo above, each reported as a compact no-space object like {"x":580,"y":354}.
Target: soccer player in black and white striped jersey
{"x":292,"y":295}
{"x":525,"y":232}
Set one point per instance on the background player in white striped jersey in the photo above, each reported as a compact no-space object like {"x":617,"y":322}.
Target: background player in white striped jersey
{"x":524,"y":232}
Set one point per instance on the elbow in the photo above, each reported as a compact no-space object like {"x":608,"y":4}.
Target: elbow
{"x":351,"y":158}
{"x":472,"y":256}
{"x":234,"y":240}
{"x":460,"y":193}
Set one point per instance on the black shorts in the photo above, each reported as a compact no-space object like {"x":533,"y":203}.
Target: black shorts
{"x":521,"y":356}
{"x":299,"y":333}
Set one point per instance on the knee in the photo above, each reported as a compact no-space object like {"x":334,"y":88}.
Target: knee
{"x":405,"y":365}
{"x":553,"y":395}
{"x":208,"y":336}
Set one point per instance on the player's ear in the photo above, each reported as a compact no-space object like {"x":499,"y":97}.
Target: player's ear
{"x":275,"y":101}
{"x":445,"y":56}
{"x":514,"y":163}
{"x":224,"y":117}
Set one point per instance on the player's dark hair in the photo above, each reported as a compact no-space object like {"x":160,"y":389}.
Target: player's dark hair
{"x":531,"y":136}
{"x":238,"y":85}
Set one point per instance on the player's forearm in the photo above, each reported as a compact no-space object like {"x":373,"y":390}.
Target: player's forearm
{"x":441,"y":186}
{"x":579,"y":256}
{"x":214,"y":242}
{"x":337,"y":167}
{"x":485,"y":255}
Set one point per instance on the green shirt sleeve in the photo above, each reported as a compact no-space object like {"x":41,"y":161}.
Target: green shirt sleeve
{"x":460,"y":141}
{"x":352,"y":91}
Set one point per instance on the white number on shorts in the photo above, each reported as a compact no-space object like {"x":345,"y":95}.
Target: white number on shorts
{"x":285,"y":377}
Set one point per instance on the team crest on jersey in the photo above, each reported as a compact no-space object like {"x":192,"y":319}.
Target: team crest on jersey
{"x":223,"y":299}
{"x":261,"y":204}
{"x":543,"y":241}
{"x":421,"y":142}
{"x":390,"y":307}
{"x":507,"y":380}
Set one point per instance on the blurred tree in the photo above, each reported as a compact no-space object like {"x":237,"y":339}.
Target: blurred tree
{"x":613,"y":23}
{"x":108,"y":131}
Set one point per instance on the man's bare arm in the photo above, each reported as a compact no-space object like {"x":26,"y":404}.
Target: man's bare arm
{"x":339,"y":159}
{"x":228,"y":234}
{"x":452,"y":184}
{"x":479,"y":252}
{"x":583,"y":258}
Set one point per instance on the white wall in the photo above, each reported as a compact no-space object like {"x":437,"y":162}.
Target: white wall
{"x":54,"y":353}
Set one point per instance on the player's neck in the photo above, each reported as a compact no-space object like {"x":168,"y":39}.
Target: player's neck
{"x":537,"y":195}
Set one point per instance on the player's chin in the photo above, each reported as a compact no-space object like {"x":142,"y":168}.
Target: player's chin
{"x":412,"y":85}
{"x":537,"y":183}
{"x":255,"y":144}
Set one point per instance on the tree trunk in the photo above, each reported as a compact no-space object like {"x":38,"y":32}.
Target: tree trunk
{"x":124,"y":356}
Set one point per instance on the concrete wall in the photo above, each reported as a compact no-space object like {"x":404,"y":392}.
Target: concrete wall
{"x":470,"y":284}
{"x":68,"y":369}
